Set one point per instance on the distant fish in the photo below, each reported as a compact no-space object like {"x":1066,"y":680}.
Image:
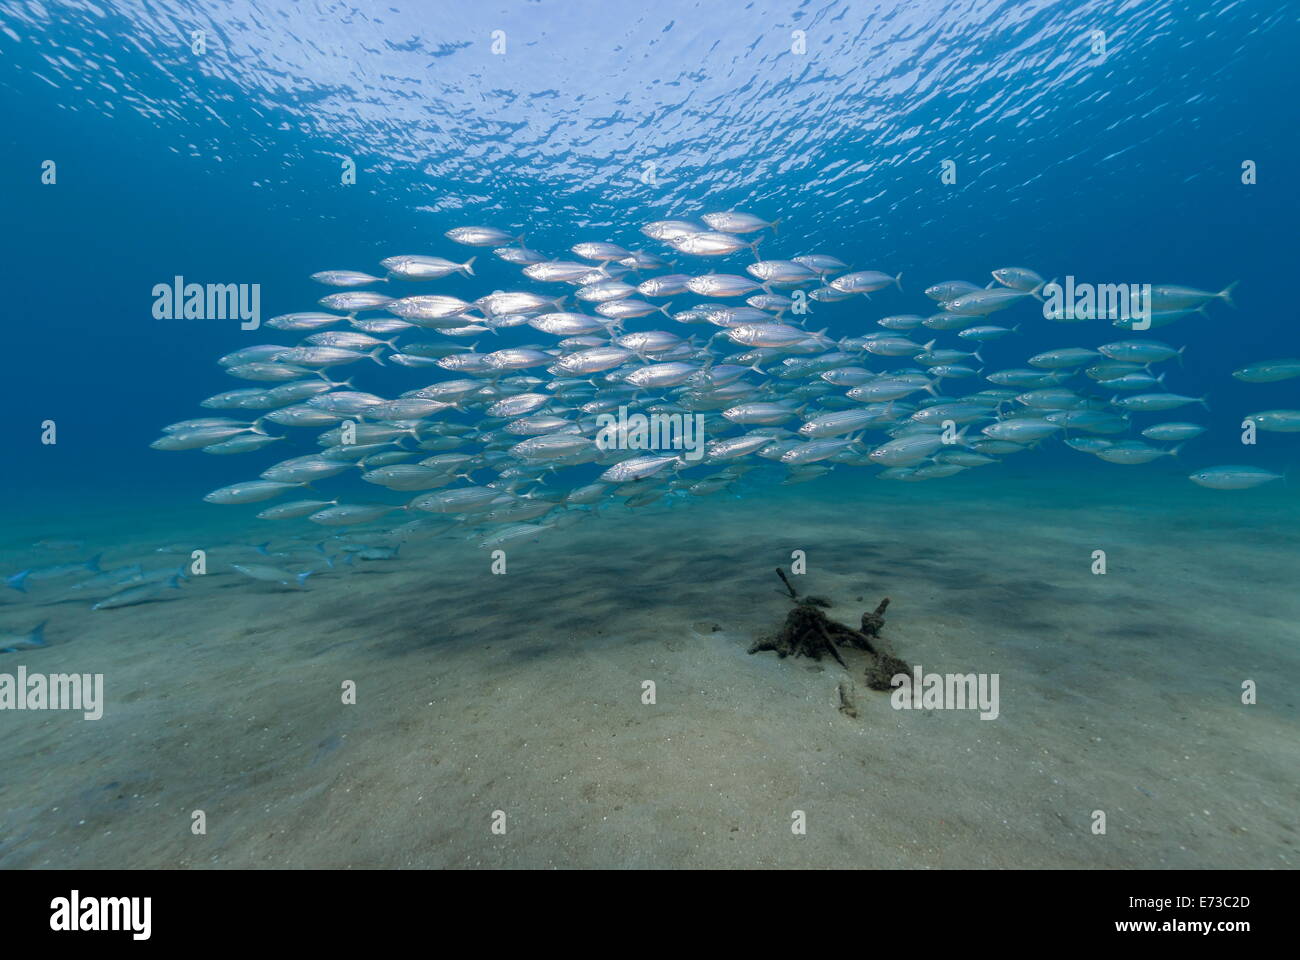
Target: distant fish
{"x":480,"y":236}
{"x":722,"y":285}
{"x":1269,"y":371}
{"x":711,"y":244}
{"x":351,"y":513}
{"x":1173,"y":432}
{"x":54,"y":544}
{"x":636,"y":468}
{"x":460,"y":500}
{"x":17,"y":642}
{"x":378,"y":553}
{"x":1157,"y":401}
{"x":344,"y":278}
{"x":1062,"y":358}
{"x":671,"y":230}
{"x":250,"y":491}
{"x":1140,"y":351}
{"x":1022,"y":430}
{"x":515,"y":531}
{"x":297,"y":508}
{"x":1276,"y":421}
{"x":908,"y":451}
{"x":269,"y":574}
{"x":557,"y":271}
{"x":296,"y":321}
{"x":428,"y":307}
{"x":245,"y":443}
{"x":600,"y":251}
{"x":1174,"y":297}
{"x":425,"y":268}
{"x":733,"y":222}
{"x":355,"y":301}
{"x":1018,"y":278}
{"x":951,"y":290}
{"x":20,"y":580}
{"x":112,"y":579}
{"x":981,"y":302}
{"x":821,"y":263}
{"x":1133,"y":452}
{"x":984,"y":334}
{"x":145,"y":593}
{"x":865,"y":281}
{"x":520,"y":255}
{"x":1233,"y":477}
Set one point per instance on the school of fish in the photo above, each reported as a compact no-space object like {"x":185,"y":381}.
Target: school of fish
{"x":503,"y":445}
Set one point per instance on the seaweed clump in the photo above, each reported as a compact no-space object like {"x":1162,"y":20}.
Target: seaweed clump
{"x":808,"y":632}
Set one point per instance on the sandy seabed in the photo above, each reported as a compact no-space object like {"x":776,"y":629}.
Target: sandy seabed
{"x":523,"y":693}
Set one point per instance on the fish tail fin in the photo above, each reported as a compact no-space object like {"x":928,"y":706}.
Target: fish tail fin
{"x":1226,"y":293}
{"x":927,"y":347}
{"x":261,"y":548}
{"x":1037,"y":292}
{"x":174,"y":582}
{"x":774,"y":224}
{"x":1173,"y":451}
{"x":256,"y":426}
{"x":977,"y":356}
{"x":898,"y":281}
{"x":664,"y":310}
{"x":302,"y":577}
{"x":1016,"y":328}
{"x":559,"y":301}
{"x":93,"y":563}
{"x":468,"y":267}
{"x":1180,"y":356}
{"x":36,"y":636}
{"x":753,"y":248}
{"x":377,"y":355}
{"x":1161,"y":379}
{"x":1201,"y":401}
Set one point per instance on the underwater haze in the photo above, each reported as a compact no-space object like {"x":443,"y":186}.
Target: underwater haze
{"x":592,"y":664}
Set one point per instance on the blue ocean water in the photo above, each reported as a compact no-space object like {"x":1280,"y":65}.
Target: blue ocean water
{"x":1116,"y":143}
{"x":225,"y":166}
